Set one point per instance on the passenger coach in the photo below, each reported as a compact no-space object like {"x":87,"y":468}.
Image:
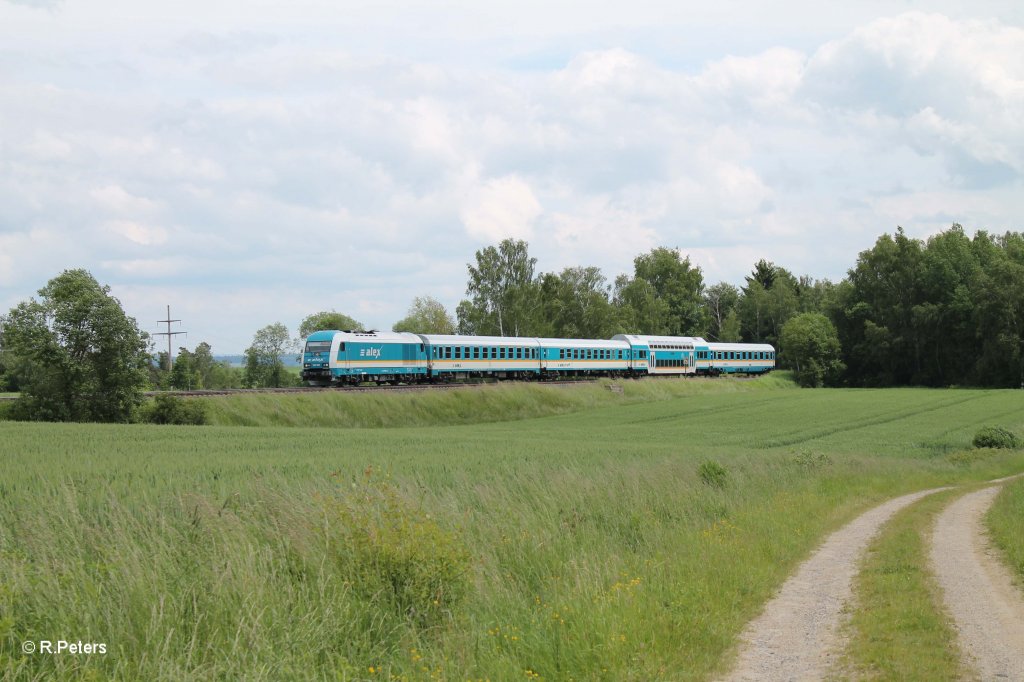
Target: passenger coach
{"x":462,"y":357}
{"x":733,"y":358}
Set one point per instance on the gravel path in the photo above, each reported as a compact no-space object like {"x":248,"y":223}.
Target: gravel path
{"x":987,"y":608}
{"x":795,"y":638}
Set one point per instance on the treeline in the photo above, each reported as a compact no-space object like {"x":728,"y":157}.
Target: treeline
{"x":948,"y":310}
{"x":945,"y":311}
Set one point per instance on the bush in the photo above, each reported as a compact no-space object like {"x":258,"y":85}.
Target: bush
{"x":169,"y":409}
{"x":713,"y":474}
{"x":395,"y":554}
{"x":995,"y":437}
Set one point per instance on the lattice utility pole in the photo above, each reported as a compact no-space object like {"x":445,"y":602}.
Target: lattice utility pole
{"x":168,"y":334}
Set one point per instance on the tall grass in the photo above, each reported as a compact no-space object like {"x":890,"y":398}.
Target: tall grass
{"x":475,"y":405}
{"x":584,"y":546}
{"x":1005,"y":521}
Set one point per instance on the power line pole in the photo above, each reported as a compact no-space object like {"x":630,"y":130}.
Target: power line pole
{"x":168,"y":334}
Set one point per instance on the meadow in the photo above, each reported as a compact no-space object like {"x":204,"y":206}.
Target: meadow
{"x":505,"y":533}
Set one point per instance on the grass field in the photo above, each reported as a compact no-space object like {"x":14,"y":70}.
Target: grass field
{"x":622,"y":537}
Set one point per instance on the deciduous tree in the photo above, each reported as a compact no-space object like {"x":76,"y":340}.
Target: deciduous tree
{"x":75,"y":353}
{"x":263,"y":364}
{"x":426,"y":315}
{"x":811,"y":347}
{"x":326,"y":320}
{"x":503,"y":295}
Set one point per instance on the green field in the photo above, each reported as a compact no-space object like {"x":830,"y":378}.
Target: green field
{"x":621,"y":537}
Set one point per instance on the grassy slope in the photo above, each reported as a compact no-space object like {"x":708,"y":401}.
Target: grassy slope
{"x":597,"y":550}
{"x":477,"y":405}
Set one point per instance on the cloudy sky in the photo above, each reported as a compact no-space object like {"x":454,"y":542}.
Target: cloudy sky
{"x":248,"y":163}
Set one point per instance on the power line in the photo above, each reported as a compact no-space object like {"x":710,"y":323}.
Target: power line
{"x":168,"y":334}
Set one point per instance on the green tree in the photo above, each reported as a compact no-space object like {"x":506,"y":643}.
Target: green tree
{"x":426,"y":315}
{"x":75,"y":353}
{"x":503,"y":295}
{"x":679,"y":285}
{"x":880,"y":301}
{"x":575,"y":305}
{"x":264,"y":367}
{"x":8,"y":382}
{"x":326,"y":320}
{"x":721,"y":302}
{"x":769,"y":298}
{"x":810,"y":345}
{"x":639,"y":308}
{"x":184,"y":374}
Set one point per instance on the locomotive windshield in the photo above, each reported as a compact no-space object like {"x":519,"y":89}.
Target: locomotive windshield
{"x":318,"y":346}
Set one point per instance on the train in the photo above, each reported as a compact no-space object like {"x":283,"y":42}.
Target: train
{"x":354,"y":357}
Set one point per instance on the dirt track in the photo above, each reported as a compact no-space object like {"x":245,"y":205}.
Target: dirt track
{"x":795,"y":638}
{"x":987,"y":608}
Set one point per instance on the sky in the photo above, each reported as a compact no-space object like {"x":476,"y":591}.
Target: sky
{"x":252,"y":163}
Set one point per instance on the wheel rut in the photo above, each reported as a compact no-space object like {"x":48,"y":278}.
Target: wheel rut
{"x":988,"y":610}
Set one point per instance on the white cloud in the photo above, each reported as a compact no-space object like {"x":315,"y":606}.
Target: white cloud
{"x":118,"y":200}
{"x":280,"y":150}
{"x":501,"y":208}
{"x":138,"y":233}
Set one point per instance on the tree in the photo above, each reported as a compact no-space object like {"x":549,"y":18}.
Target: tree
{"x":811,"y":347}
{"x":325,"y":320}
{"x":679,"y":284}
{"x":8,"y":382}
{"x":426,"y":316}
{"x":769,"y":298}
{"x":75,"y":353}
{"x":721,"y":302}
{"x":503,"y":295}
{"x":880,"y":301}
{"x":263,"y":364}
{"x":574,"y":304}
{"x":184,"y":375}
{"x":639,"y":308}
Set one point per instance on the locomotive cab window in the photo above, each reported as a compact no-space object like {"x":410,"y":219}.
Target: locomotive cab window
{"x":320,"y":346}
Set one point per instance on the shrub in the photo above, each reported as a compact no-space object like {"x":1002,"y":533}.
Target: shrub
{"x":713,"y":474}
{"x":995,"y":437}
{"x":395,"y":554}
{"x":811,"y":460}
{"x":169,"y":409}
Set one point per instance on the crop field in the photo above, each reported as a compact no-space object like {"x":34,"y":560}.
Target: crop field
{"x":508,"y":533}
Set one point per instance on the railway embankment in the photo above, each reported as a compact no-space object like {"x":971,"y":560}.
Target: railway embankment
{"x":477,"y":404}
